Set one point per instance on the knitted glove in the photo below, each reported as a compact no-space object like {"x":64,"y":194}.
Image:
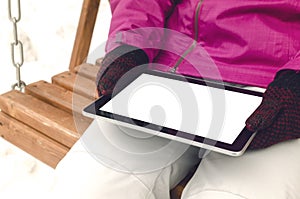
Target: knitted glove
{"x":277,"y":118}
{"x":115,"y":64}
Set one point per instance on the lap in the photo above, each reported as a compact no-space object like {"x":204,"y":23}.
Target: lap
{"x":82,"y":174}
{"x":273,"y":172}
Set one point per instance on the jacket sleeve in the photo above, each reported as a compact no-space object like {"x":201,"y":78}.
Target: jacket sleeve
{"x":293,"y":64}
{"x":138,"y":23}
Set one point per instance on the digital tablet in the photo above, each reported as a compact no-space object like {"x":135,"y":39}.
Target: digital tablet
{"x":199,"y":112}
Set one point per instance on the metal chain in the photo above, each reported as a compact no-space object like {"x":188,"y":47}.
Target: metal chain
{"x":17,"y":53}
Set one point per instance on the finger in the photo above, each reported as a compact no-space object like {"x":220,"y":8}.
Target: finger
{"x":262,"y":117}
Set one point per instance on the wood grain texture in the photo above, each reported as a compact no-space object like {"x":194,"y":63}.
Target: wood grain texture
{"x":30,"y":140}
{"x":87,"y":70}
{"x":76,"y":83}
{"x":57,"y":96}
{"x":84,"y":32}
{"x":51,"y":121}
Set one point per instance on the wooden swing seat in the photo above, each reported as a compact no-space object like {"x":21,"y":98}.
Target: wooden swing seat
{"x":43,"y":121}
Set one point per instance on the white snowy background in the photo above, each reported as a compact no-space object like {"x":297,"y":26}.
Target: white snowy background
{"x":47,"y":30}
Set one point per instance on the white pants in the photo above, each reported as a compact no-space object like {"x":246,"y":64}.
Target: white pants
{"x":86,"y":173}
{"x":137,"y":168}
{"x":273,"y":172}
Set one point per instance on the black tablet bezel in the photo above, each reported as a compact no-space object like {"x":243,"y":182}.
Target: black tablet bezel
{"x":236,"y":146}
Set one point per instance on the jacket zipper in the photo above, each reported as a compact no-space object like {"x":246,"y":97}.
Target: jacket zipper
{"x":193,"y":45}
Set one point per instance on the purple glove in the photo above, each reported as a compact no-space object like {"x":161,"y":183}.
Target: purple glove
{"x":115,"y":64}
{"x":277,"y":118}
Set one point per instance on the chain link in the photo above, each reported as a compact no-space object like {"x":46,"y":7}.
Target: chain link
{"x":17,"y":53}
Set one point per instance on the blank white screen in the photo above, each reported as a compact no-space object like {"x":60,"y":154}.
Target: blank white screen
{"x":158,"y":97}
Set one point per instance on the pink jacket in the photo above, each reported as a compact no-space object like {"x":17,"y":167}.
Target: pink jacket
{"x":241,"y":41}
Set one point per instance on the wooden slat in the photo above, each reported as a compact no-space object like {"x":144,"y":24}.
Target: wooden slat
{"x":84,"y":32}
{"x":87,"y":70}
{"x":57,"y":96}
{"x":76,"y":83}
{"x":33,"y":142}
{"x":41,"y":116}
{"x":99,"y":61}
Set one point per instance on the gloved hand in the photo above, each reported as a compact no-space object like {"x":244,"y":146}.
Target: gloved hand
{"x":115,"y":64}
{"x":278,"y":117}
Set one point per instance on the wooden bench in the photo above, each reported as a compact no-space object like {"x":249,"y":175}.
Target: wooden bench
{"x":46,"y":119}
